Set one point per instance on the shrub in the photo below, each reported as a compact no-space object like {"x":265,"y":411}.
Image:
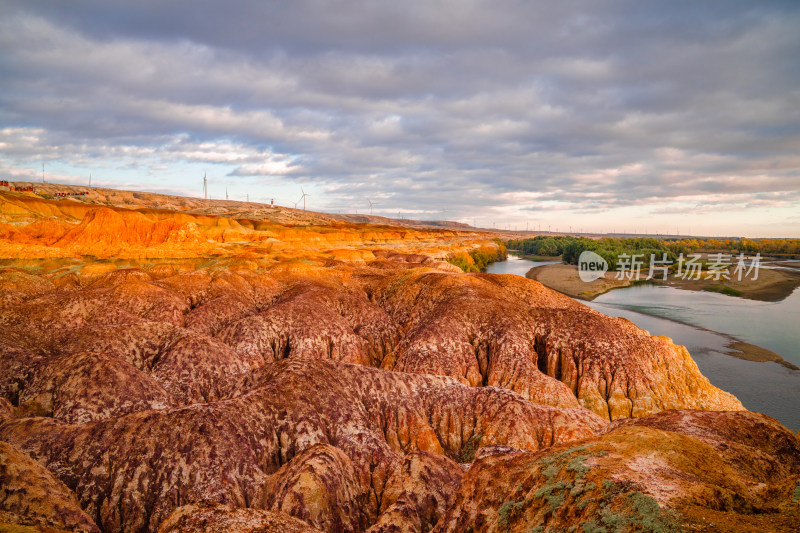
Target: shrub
{"x":478,"y":259}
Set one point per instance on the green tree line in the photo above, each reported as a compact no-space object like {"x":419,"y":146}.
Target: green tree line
{"x":478,"y":259}
{"x":570,"y":248}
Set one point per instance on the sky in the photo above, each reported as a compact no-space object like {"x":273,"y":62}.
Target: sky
{"x":594,"y":115}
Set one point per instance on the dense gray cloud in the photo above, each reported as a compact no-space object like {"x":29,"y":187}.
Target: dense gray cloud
{"x":502,"y":108}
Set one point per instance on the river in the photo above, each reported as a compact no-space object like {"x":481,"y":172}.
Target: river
{"x":516,"y":265}
{"x":705,"y":322}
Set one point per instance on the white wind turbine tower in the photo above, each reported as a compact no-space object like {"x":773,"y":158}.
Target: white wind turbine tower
{"x":205,"y":186}
{"x":371,"y":203}
{"x":303,"y":198}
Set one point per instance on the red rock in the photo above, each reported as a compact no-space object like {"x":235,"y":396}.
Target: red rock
{"x":17,"y":285}
{"x":155,"y":461}
{"x":313,"y":319}
{"x":7,"y":409}
{"x":31,"y":496}
{"x":203,"y":518}
{"x":17,"y":368}
{"x":84,"y":387}
{"x":112,"y":228}
{"x":417,"y":493}
{"x":320,"y":486}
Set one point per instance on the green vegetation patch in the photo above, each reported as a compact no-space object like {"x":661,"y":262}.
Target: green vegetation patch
{"x":796,"y":495}
{"x":580,"y":488}
{"x":554,"y":492}
{"x":470,"y":447}
{"x":478,"y":259}
{"x":508,"y":508}
{"x":577,"y":465}
{"x":620,"y":507}
{"x":634,"y":511}
{"x":722,"y":289}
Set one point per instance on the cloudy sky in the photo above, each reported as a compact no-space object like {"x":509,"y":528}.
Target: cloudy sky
{"x":595,"y":115}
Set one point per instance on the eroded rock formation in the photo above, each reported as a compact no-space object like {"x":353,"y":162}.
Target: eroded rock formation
{"x":203,"y":518}
{"x":31,"y":498}
{"x":363,"y":390}
{"x":316,"y":439}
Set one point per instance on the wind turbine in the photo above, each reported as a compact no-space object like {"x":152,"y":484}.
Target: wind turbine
{"x":303,"y":198}
{"x":370,"y":205}
{"x":205,"y":186}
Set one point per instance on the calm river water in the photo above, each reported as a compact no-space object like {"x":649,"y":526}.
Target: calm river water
{"x":769,"y":388}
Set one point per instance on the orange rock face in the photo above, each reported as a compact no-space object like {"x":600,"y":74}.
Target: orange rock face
{"x":117,"y":226}
{"x":365,"y":389}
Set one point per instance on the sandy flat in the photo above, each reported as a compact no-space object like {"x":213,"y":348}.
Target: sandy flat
{"x":771,"y":285}
{"x":564,"y":279}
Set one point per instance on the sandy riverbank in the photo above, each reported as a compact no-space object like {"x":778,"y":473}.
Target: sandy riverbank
{"x":564,"y":279}
{"x":751,"y":352}
{"x":771,"y":285}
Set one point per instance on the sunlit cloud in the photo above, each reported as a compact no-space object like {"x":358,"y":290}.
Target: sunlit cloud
{"x":595,"y":110}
